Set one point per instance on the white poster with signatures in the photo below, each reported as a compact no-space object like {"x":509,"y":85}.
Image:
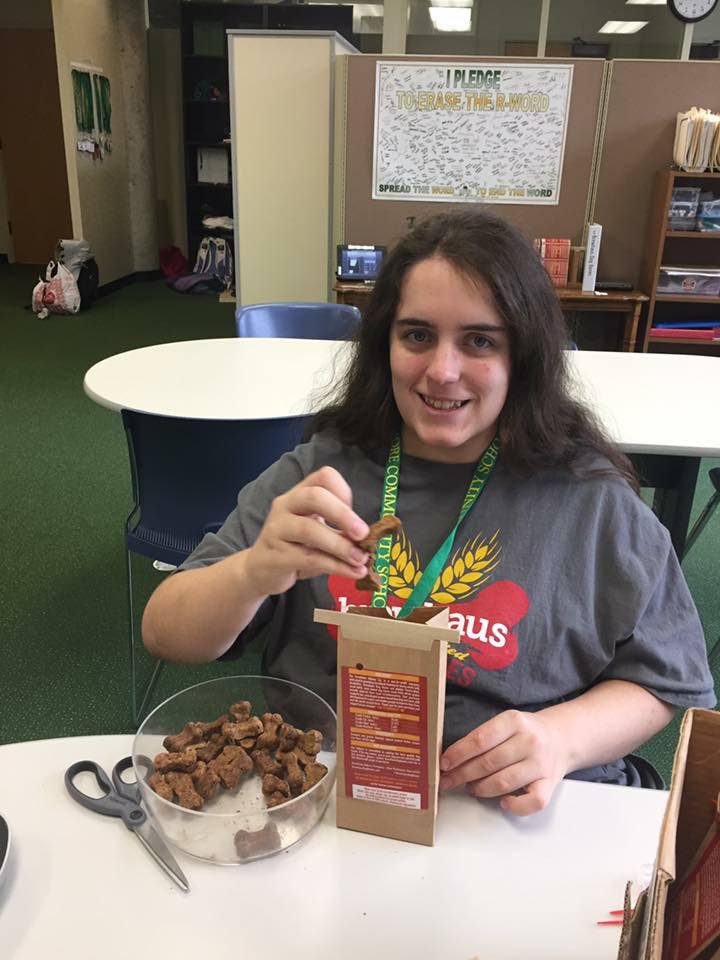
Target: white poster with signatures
{"x":489,"y":133}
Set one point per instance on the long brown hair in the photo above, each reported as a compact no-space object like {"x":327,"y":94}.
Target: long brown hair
{"x":540,"y":424}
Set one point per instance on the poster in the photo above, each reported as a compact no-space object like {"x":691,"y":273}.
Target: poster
{"x":480,"y":132}
{"x":91,"y":90}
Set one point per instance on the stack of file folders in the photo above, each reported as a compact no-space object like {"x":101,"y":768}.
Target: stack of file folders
{"x":697,"y":141}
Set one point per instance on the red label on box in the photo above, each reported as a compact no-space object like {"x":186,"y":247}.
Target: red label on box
{"x":384,"y":717}
{"x":694,"y":917}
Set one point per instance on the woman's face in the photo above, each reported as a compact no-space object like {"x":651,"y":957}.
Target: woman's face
{"x":449,"y":361}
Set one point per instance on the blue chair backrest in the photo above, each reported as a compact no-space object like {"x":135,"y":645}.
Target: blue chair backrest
{"x":186,"y":475}
{"x":307,"y":321}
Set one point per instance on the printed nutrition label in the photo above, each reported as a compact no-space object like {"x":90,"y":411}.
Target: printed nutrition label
{"x":385,"y":737}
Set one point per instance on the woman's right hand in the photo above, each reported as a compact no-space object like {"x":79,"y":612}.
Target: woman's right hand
{"x":309,"y":531}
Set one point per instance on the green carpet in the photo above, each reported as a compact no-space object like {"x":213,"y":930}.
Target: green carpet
{"x":64,"y":496}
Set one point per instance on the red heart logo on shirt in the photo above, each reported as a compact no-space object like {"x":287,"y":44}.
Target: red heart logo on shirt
{"x":485,"y":623}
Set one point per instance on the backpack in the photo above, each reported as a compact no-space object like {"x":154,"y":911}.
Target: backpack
{"x":214,"y":257}
{"x":77,"y":256}
{"x":57,"y":293}
{"x":87,"y":281}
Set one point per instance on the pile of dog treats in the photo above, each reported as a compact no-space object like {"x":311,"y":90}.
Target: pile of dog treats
{"x":207,"y":756}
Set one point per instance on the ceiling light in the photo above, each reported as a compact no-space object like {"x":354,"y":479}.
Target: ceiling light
{"x":623,"y":26}
{"x":648,"y":3}
{"x":451,"y":18}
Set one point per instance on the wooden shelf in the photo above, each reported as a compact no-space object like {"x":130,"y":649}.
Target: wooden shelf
{"x":684,"y":298}
{"x":694,"y":234}
{"x":686,"y":341}
{"x":682,"y":174}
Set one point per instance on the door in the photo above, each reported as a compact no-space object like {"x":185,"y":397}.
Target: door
{"x":32,"y":144}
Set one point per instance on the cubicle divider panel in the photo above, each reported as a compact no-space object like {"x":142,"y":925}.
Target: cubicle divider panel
{"x":644,"y":97}
{"x":383,"y":221}
{"x":283,"y":121}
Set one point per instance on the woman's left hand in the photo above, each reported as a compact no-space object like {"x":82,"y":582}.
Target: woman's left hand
{"x":512,"y":752}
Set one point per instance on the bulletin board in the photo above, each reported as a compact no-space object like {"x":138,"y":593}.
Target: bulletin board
{"x":381,"y":221}
{"x":470,"y":133}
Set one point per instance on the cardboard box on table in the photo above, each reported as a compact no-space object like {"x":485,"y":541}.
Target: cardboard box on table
{"x":689,"y":817}
{"x":391,"y":703}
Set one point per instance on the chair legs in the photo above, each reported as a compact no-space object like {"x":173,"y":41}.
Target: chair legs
{"x":138,"y":710}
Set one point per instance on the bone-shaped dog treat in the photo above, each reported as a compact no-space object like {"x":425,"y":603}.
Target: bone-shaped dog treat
{"x":377,"y":531}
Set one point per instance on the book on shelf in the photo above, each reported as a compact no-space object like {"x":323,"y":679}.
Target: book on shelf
{"x":555,"y":255}
{"x":592,"y":255}
{"x":678,"y":333}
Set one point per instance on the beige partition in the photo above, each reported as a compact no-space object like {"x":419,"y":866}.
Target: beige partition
{"x":383,"y":221}
{"x":644,"y":98}
{"x":283,"y":117}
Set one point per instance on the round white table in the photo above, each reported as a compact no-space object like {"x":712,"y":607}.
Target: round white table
{"x":493,"y":887}
{"x":658,"y":407}
{"x":224,"y":379}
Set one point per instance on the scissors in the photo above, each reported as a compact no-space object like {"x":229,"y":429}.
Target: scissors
{"x":122,"y":799}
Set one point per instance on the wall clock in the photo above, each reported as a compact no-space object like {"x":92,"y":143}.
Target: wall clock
{"x":691,"y":11}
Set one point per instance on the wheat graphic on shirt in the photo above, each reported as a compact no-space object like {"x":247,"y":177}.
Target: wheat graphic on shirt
{"x":461,"y":579}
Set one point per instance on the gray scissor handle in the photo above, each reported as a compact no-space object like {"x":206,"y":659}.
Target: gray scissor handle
{"x":115,"y":802}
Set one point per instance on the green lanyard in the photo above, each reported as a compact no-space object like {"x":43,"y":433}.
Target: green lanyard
{"x":422,"y":588}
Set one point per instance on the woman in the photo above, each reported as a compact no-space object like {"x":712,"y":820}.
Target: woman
{"x":578,"y":638}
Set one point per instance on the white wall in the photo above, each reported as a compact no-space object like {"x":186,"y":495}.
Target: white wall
{"x":110,"y":35}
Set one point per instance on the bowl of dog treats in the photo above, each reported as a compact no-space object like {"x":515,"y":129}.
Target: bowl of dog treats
{"x":237,"y":768}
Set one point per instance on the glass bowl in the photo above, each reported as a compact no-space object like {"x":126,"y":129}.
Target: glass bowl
{"x":235,"y":826}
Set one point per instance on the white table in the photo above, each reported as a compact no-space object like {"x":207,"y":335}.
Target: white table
{"x":223,"y":379}
{"x":661,"y":408}
{"x":493,"y":887}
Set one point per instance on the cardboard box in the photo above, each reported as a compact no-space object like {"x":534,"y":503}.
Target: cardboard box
{"x":390,"y":705}
{"x":689,"y":816}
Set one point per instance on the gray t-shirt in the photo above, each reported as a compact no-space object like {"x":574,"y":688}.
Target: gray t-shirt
{"x":554,"y":582}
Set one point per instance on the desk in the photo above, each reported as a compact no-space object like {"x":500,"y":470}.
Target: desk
{"x":658,"y":407}
{"x":627,"y":302}
{"x":493,"y":887}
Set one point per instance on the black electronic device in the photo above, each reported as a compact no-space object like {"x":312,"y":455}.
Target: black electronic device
{"x":359,"y":262}
{"x":613,"y":285}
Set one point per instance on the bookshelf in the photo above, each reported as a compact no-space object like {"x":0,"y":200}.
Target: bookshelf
{"x":664,"y":247}
{"x":206,"y":102}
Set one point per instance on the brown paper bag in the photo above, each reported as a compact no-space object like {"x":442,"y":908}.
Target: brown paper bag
{"x":391,"y":703}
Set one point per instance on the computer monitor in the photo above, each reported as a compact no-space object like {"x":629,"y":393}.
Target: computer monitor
{"x":356,"y":261}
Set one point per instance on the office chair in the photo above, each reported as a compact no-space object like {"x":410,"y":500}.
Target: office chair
{"x":186,"y":475}
{"x":698,"y":527}
{"x":307,"y":321}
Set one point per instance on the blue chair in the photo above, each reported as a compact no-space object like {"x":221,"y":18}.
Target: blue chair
{"x":186,"y":475}
{"x":307,"y":321}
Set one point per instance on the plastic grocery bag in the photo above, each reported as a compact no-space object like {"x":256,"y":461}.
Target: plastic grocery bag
{"x":57,"y":293}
